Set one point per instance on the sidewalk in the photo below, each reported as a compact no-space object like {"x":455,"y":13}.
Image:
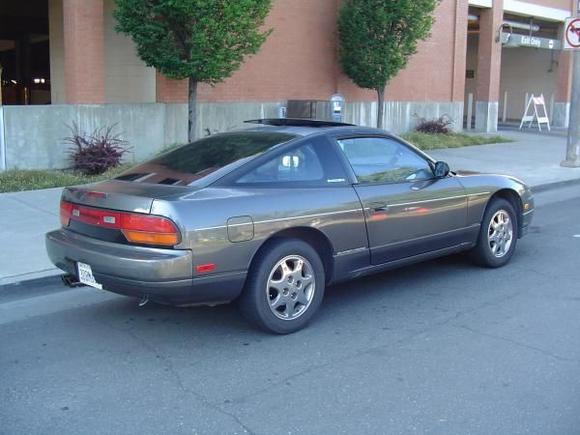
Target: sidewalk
{"x":533,"y":157}
{"x":27,"y":216}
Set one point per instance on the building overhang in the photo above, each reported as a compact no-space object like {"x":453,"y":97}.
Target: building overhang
{"x":537,"y":11}
{"x":487,"y":4}
{"x":526,"y":9}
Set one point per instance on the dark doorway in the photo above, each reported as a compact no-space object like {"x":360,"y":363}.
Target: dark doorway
{"x":24,"y":52}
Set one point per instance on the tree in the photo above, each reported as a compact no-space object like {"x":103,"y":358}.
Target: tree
{"x":204,"y":41}
{"x":377,"y":37}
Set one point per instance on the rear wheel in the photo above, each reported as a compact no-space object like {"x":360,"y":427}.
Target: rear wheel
{"x":498,"y":235}
{"x":285,"y":287}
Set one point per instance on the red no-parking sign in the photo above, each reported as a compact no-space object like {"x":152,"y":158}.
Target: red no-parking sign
{"x":572,"y":34}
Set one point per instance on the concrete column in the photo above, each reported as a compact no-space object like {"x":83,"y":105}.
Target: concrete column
{"x":56,"y":49}
{"x":488,"y":68}
{"x":170,"y":91}
{"x":84,"y":66}
{"x":459,"y":51}
{"x":561,"y":114}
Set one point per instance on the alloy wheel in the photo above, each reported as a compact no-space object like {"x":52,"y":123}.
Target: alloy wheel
{"x":291,"y":286}
{"x":500,"y":233}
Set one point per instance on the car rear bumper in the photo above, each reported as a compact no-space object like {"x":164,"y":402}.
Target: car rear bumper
{"x":162,"y":275}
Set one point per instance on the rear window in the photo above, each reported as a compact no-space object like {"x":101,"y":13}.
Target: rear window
{"x":215,"y":155}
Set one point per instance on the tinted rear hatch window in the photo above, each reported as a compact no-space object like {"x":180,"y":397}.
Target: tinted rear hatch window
{"x":216,"y":155}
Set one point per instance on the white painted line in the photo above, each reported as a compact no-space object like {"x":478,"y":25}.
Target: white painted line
{"x":577,"y":236}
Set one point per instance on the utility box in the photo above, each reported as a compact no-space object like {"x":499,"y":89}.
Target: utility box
{"x":309,"y":109}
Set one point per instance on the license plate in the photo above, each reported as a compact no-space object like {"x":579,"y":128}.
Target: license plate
{"x":86,"y":275}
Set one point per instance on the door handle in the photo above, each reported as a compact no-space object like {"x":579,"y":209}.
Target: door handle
{"x":378,"y":207}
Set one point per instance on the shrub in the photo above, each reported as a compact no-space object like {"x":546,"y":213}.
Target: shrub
{"x":440,"y":125}
{"x":94,"y":154}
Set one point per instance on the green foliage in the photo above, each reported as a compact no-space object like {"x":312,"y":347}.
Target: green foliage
{"x":206,"y":40}
{"x":377,"y":37}
{"x":441,"y":125}
{"x":429,"y":141}
{"x":22,"y":179}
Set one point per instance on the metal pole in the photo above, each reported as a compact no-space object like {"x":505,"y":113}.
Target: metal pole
{"x":573,"y":148}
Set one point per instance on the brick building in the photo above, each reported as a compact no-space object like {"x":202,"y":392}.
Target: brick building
{"x":64,"y":62}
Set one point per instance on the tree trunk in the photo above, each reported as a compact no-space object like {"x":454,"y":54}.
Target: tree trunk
{"x":381,"y":107}
{"x":192,"y":110}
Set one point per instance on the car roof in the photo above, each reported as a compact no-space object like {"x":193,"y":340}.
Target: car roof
{"x":308,"y":127}
{"x":303,"y":128}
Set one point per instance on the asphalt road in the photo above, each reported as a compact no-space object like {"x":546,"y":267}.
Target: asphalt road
{"x":443,"y":348}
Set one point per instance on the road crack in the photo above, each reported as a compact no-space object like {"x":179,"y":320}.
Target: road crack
{"x":168,"y":365}
{"x":518,"y":343}
{"x":372,"y":350}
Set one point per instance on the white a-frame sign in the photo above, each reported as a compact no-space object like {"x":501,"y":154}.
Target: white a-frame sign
{"x":536,"y":111}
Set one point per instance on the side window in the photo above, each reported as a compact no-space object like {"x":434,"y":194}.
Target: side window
{"x":383,"y":160}
{"x":297,"y":165}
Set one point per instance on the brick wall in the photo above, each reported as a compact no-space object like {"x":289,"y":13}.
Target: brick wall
{"x":430,"y":72}
{"x":83,"y":24}
{"x":170,"y":91}
{"x":298,"y":61}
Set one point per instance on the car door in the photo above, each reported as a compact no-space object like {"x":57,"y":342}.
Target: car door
{"x":408,"y":210}
{"x":299,"y":185}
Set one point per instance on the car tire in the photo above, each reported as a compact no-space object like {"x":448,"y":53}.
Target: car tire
{"x":284,"y":288}
{"x":498,"y":235}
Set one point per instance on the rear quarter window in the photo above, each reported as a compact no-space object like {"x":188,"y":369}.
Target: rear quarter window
{"x":311,"y":163}
{"x":195,"y":161}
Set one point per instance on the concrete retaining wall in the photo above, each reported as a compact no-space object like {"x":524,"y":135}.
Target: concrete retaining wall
{"x":34,"y":134}
{"x":402,"y":116}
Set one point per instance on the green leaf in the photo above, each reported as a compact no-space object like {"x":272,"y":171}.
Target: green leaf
{"x":207,"y":40}
{"x":377,"y":37}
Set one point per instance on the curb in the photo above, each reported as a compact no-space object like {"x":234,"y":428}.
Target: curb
{"x":31,"y":288}
{"x":555,"y":185}
{"x":30,"y":276}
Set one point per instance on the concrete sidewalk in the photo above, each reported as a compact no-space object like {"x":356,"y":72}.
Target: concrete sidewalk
{"x":27,"y":216}
{"x":533,"y":157}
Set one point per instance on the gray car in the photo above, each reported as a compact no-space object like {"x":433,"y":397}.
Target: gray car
{"x":271,"y":215}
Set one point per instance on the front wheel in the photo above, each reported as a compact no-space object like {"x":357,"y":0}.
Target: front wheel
{"x":285,"y":287}
{"x":498,"y":235}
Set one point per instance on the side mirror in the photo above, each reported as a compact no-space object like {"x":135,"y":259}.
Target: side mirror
{"x":441,"y":170}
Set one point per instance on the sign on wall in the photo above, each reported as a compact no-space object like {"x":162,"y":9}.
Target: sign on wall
{"x":512,"y":40}
{"x":572,"y":34}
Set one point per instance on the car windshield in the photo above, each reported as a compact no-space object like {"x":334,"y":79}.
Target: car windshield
{"x":216,"y":155}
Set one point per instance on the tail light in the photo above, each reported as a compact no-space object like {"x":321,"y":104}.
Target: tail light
{"x":65,"y":213}
{"x":137,"y":228}
{"x":149,"y":230}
